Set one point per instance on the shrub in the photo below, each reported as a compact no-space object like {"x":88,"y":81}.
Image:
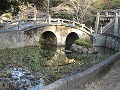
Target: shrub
{"x":84,"y":42}
{"x":7,"y":15}
{"x":1,"y":25}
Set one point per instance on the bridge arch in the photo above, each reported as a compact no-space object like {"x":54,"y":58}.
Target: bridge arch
{"x":48,"y":37}
{"x":71,"y":37}
{"x":55,"y":35}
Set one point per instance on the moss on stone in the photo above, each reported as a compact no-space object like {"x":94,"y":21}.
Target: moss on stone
{"x":84,"y":42}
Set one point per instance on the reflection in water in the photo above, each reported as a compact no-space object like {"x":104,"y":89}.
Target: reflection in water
{"x":105,"y":51}
{"x":17,"y":73}
{"x":32,"y":68}
{"x":49,"y":47}
{"x":68,"y":46}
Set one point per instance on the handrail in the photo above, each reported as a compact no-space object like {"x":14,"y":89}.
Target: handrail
{"x":50,"y":21}
{"x":108,"y":10}
{"x":106,"y":27}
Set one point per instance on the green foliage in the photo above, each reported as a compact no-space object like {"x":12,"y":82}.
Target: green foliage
{"x":84,"y":42}
{"x":116,"y":4}
{"x":4,"y":5}
{"x":1,"y":25}
{"x":56,"y":2}
{"x":7,"y":15}
{"x":109,"y":4}
{"x":34,"y":60}
{"x":10,"y":6}
{"x":63,"y":16}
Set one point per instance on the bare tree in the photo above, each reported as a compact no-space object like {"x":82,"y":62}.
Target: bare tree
{"x":80,"y":8}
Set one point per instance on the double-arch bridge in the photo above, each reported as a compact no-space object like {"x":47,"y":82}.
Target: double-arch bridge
{"x":54,"y":31}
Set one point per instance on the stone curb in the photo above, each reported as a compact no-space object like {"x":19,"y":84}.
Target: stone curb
{"x":86,"y":78}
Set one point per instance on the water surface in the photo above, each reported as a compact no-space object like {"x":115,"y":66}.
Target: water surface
{"x":32,"y":68}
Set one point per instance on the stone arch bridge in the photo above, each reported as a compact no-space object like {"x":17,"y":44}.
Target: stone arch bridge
{"x":53,"y":31}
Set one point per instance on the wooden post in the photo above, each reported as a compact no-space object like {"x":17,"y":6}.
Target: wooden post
{"x":97,"y":22}
{"x":116,"y":24}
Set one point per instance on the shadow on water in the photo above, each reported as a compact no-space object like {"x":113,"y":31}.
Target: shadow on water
{"x":68,"y":46}
{"x":31,"y":68}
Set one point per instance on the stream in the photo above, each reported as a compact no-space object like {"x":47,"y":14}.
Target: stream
{"x":31,"y":68}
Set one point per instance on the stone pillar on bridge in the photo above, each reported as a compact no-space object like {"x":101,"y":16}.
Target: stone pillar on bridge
{"x":73,"y":21}
{"x":6,"y":25}
{"x":97,"y":22}
{"x":49,"y":19}
{"x":116,"y":24}
{"x":101,"y":30}
{"x":35,"y":12}
{"x":19,"y":25}
{"x":91,"y":30}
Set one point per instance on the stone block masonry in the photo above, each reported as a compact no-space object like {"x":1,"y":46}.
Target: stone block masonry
{"x":112,"y":42}
{"x":12,"y":39}
{"x":58,"y":34}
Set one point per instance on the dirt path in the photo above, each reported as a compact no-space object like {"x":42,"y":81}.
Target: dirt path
{"x":111,"y":81}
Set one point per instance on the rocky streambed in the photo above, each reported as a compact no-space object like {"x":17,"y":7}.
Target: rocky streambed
{"x":18,"y":79}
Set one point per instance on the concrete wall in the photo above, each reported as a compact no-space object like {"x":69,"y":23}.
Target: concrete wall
{"x":84,"y":79}
{"x":107,"y":40}
{"x":98,"y":40}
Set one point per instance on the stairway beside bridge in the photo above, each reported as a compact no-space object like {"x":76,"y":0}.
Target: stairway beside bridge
{"x":109,"y":28}
{"x":103,"y":26}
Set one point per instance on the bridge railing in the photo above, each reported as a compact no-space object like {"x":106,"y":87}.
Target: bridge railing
{"x":43,"y":21}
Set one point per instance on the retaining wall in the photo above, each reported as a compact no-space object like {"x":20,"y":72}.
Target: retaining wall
{"x":107,"y":40}
{"x":112,"y":42}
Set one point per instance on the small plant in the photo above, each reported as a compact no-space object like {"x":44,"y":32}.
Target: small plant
{"x":7,"y":15}
{"x":1,"y":25}
{"x":84,"y":42}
